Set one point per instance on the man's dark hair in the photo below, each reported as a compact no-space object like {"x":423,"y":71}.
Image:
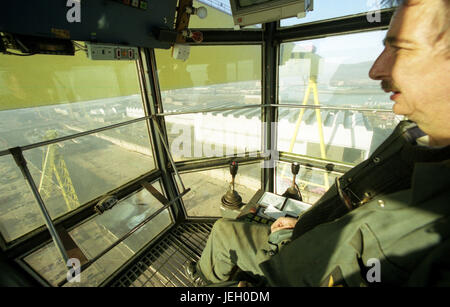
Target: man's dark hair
{"x":443,"y":22}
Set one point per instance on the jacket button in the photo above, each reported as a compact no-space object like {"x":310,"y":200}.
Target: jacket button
{"x":376,"y":160}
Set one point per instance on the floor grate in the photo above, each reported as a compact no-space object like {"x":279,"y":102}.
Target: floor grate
{"x":162,"y":266}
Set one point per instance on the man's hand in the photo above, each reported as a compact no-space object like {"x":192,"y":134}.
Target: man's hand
{"x":283,"y":223}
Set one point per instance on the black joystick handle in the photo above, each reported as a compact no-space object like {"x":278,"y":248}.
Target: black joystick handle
{"x":293,"y":191}
{"x":232,"y":199}
{"x":233,"y":168}
{"x":295,"y":168}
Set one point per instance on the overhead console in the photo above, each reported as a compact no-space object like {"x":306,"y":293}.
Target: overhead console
{"x":250,"y":12}
{"x":138,"y":23}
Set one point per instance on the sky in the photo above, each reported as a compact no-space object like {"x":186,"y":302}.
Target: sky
{"x":350,"y":48}
{"x":325,"y":9}
{"x":353,"y":48}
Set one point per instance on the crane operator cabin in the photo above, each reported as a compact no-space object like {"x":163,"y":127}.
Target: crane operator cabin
{"x":128,"y":128}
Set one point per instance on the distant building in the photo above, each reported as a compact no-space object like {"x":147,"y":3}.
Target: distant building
{"x":348,"y":135}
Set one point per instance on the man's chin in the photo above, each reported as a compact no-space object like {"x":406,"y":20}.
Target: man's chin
{"x":398,"y":110}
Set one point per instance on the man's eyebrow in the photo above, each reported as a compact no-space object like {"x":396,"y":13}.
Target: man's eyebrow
{"x":395,"y":40}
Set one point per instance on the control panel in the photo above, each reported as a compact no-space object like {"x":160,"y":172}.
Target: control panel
{"x":137,"y":23}
{"x":111,"y":52}
{"x":140,"y":4}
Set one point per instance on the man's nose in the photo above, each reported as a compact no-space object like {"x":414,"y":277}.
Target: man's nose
{"x":381,"y":69}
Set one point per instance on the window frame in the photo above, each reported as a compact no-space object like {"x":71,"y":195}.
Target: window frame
{"x":201,"y":165}
{"x":20,"y":260}
{"x":24,"y":242}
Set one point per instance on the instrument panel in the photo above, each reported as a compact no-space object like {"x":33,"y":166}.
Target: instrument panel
{"x":123,"y":22}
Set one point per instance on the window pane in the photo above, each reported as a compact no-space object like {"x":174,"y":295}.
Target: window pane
{"x":219,"y":16}
{"x":337,"y":135}
{"x":313,"y":183}
{"x":212,"y":77}
{"x":327,"y":9}
{"x":71,"y":173}
{"x":232,"y":77}
{"x":214,"y":134}
{"x":340,"y":67}
{"x":333,"y":72}
{"x":19,"y":212}
{"x":101,"y":232}
{"x":208,"y":187}
{"x":65,"y":93}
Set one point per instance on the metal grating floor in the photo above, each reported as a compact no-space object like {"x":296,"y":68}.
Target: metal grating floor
{"x":162,"y":266}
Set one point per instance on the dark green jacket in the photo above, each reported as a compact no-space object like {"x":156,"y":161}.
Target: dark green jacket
{"x":408,"y":232}
{"x":399,"y":237}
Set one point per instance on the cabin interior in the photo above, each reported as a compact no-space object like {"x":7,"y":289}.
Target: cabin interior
{"x":127,"y":128}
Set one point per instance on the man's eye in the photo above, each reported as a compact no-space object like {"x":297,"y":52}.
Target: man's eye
{"x":396,"y":48}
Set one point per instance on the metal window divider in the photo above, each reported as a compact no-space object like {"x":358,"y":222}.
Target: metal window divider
{"x":151,"y":189}
{"x":269,"y":83}
{"x":17,"y":154}
{"x":166,"y":147}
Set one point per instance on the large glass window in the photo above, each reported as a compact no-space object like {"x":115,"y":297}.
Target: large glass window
{"x":214,"y":134}
{"x":64,"y":93}
{"x":71,"y":173}
{"x":333,"y":73}
{"x":97,"y":234}
{"x":43,"y":97}
{"x":219,"y":16}
{"x":230,"y":78}
{"x":208,"y":187}
{"x":19,"y":212}
{"x":213,"y":77}
{"x":312,"y":182}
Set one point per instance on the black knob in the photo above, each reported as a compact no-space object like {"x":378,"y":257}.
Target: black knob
{"x":329,"y":167}
{"x":233,"y":168}
{"x":295,"y":167}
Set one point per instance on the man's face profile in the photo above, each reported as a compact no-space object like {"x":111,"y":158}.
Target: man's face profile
{"x":415,"y":67}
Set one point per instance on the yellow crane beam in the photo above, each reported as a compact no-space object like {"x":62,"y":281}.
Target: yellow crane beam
{"x":54,"y":165}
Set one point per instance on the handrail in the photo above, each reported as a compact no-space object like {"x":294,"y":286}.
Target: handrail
{"x":129,"y":233}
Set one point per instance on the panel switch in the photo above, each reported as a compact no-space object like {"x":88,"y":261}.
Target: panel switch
{"x":111,"y":52}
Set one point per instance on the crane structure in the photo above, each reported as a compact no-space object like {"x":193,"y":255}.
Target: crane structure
{"x":53,"y":164}
{"x":312,"y":86}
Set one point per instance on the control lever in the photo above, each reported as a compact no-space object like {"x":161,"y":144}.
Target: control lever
{"x":293,"y":191}
{"x":232,"y":199}
{"x":233,"y":171}
{"x":295,"y":168}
